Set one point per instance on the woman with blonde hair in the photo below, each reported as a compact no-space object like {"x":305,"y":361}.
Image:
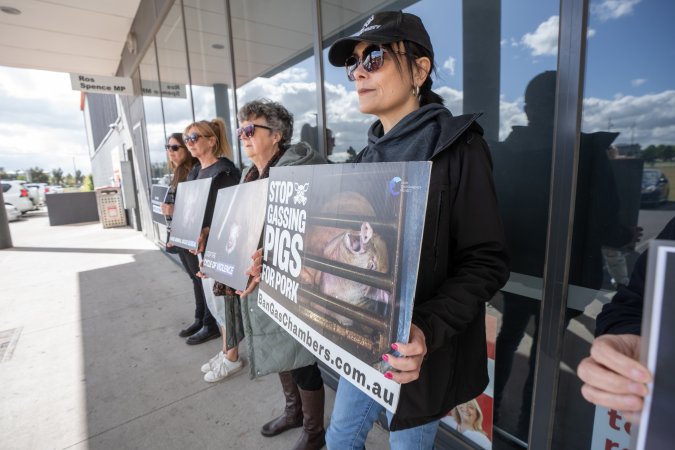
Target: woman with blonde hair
{"x":206,"y":141}
{"x":469,"y":421}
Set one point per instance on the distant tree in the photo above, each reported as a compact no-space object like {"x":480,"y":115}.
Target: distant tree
{"x":69,"y":180}
{"x":159,"y":169}
{"x":3,"y":175}
{"x":650,"y":154}
{"x":668,"y":152}
{"x":57,"y":176}
{"x":78,"y":177}
{"x":38,"y":175}
{"x":88,"y":184}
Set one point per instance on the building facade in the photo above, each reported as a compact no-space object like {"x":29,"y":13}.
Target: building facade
{"x":565,"y":88}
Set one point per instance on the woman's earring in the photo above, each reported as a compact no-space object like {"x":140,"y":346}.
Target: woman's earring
{"x":416,"y":91}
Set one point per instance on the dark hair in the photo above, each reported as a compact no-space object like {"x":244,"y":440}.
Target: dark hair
{"x":413,"y":51}
{"x":180,"y":170}
{"x":216,"y":128}
{"x":275,"y":114}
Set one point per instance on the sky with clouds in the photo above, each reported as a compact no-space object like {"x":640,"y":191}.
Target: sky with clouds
{"x":629,"y":84}
{"x":41,"y":122}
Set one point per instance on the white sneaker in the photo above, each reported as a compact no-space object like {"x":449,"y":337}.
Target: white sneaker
{"x":213,"y":362}
{"x":223,"y":370}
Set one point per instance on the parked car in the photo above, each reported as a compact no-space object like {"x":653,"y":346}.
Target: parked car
{"x":655,"y":187}
{"x":15,"y":193}
{"x":42,"y":190}
{"x":53,"y":189}
{"x":13,"y":212}
{"x":33,"y":194}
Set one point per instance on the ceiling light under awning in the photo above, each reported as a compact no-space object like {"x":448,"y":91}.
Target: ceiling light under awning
{"x":10,"y":10}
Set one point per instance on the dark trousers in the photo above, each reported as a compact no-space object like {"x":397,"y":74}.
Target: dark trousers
{"x":191,"y":265}
{"x":308,"y":378}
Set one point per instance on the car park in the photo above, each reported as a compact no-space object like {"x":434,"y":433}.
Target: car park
{"x":42,"y":190}
{"x":13,"y":212}
{"x":15,"y":193}
{"x":33,"y":194}
{"x":655,"y":187}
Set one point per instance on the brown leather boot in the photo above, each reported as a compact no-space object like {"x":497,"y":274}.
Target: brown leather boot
{"x":292,"y":415}
{"x":313,"y":436}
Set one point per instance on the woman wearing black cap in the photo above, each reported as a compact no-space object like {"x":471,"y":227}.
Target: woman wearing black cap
{"x":463,"y":261}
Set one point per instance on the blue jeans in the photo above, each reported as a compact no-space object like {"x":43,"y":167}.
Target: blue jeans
{"x":354,"y":414}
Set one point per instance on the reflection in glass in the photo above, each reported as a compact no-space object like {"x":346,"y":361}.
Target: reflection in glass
{"x":274,"y":57}
{"x":210,"y":64}
{"x":153,"y":115}
{"x":173,"y":73}
{"x":624,"y":119}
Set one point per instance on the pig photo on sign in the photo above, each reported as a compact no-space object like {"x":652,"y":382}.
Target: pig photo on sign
{"x":360,"y":247}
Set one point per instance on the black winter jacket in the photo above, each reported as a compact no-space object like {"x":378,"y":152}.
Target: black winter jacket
{"x":464,"y":262}
{"x":623,"y":315}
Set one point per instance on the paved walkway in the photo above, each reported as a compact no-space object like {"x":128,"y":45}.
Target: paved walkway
{"x":90,"y":357}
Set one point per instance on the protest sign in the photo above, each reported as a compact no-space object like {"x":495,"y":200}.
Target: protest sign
{"x":188,"y":212}
{"x":655,"y":429}
{"x":341,"y":251}
{"x":235,"y":233}
{"x":157,"y":197}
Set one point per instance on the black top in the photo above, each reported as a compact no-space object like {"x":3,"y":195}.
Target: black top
{"x":463,"y":261}
{"x":224,"y":174}
{"x":623,"y":315}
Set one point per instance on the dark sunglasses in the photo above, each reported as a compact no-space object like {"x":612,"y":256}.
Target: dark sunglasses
{"x":173,"y":147}
{"x":372,"y":60}
{"x":191,"y":138}
{"x":248,"y":130}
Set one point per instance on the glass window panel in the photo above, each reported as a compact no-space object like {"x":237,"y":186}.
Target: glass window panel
{"x":173,"y":72}
{"x":274,"y":58}
{"x":210,"y":63}
{"x":628,"y":130}
{"x":153,"y":116}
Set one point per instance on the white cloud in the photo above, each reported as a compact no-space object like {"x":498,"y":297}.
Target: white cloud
{"x":613,"y":9}
{"x":41,"y":122}
{"x":647,"y":119}
{"x":638,"y":82}
{"x":449,"y":65}
{"x":544,"y":40}
{"x":510,"y":114}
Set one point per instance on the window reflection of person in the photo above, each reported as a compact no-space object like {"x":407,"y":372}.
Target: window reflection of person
{"x":310,"y":135}
{"x":522,"y":172}
{"x":467,"y":419}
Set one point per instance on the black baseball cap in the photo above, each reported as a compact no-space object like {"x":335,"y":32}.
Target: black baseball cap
{"x":382,"y":28}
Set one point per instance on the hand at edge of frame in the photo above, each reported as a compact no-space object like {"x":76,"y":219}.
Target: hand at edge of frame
{"x":201,"y":241}
{"x":254,"y":273}
{"x":407,"y":366}
{"x":612,"y":375}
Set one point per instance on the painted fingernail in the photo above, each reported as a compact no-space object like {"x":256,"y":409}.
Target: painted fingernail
{"x":639,"y":375}
{"x":385,"y":357}
{"x":394,"y":346}
{"x":388,"y":375}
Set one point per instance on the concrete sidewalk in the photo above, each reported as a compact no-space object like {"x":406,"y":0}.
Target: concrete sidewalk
{"x":91,"y":358}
